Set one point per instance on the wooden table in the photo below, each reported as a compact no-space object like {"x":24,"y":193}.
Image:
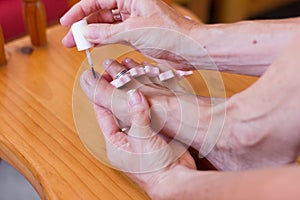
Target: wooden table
{"x":37,"y":132}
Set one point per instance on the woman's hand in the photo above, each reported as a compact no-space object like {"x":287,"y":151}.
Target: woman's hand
{"x":162,"y":34}
{"x":196,"y":121}
{"x":142,"y":153}
{"x":151,"y":27}
{"x":170,"y":104}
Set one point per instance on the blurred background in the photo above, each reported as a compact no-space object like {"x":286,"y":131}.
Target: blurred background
{"x":225,"y":11}
{"x":209,"y":11}
{"x":14,"y":186}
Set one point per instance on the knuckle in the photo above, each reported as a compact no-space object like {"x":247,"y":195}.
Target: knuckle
{"x":140,"y":111}
{"x":107,"y":32}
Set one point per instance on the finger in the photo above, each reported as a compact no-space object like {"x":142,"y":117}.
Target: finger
{"x":106,"y":121}
{"x":101,"y":16}
{"x":109,"y":127}
{"x":105,"y":33}
{"x":152,"y":79}
{"x":107,"y":77}
{"x":99,"y":91}
{"x":68,"y":41}
{"x":130,"y":63}
{"x":105,"y":16}
{"x":113,"y":67}
{"x":152,"y":152}
{"x":85,"y":8}
{"x":102,"y":93}
{"x":140,"y":115}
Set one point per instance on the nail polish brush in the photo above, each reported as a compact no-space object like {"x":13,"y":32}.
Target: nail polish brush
{"x":90,"y":61}
{"x":82,"y":43}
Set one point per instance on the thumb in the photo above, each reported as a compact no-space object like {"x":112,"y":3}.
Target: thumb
{"x":103,"y":33}
{"x":140,"y":115}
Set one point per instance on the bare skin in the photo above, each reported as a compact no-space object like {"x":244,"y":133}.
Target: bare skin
{"x":180,"y":180}
{"x":246,"y":47}
{"x":271,"y":183}
{"x":167,"y":104}
{"x":238,"y":143}
{"x":264,"y":137}
{"x":148,"y":153}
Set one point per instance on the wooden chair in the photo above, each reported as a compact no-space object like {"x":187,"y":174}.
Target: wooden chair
{"x":34,"y":16}
{"x":35,"y":21}
{"x":2,"y":50}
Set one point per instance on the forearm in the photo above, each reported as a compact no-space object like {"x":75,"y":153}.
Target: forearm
{"x":279,"y":183}
{"x":271,"y":105}
{"x":262,"y":122}
{"x":247,"y":47}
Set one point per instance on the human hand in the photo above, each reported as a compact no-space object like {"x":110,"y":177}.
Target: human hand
{"x":151,"y":27}
{"x":141,"y":153}
{"x":231,"y":149}
{"x":173,"y":110}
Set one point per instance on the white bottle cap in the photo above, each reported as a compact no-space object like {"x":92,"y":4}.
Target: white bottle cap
{"x":80,"y":41}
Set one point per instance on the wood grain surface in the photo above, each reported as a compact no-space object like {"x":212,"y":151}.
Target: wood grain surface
{"x":37,"y":132}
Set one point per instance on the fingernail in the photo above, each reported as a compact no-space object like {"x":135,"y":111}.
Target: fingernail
{"x":64,"y":41}
{"x":89,"y":78}
{"x":107,"y":63}
{"x":134,"y":97}
{"x":127,"y":60}
{"x":91,"y":32}
{"x":61,"y":20}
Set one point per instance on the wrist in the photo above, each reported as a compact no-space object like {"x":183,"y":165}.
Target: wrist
{"x":240,"y":138}
{"x":250,"y":139}
{"x":171,"y":184}
{"x":215,"y":130}
{"x":185,"y":183}
{"x":224,"y":135}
